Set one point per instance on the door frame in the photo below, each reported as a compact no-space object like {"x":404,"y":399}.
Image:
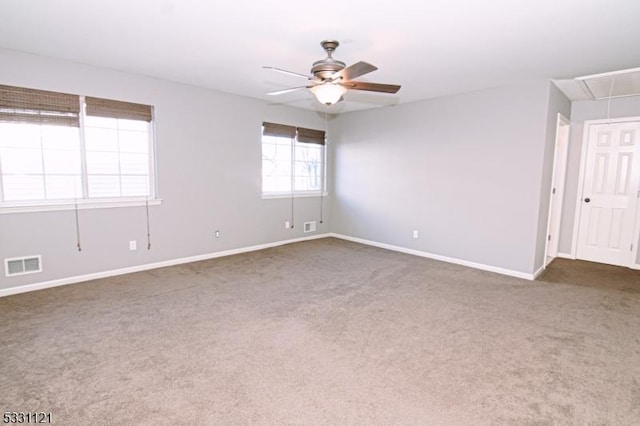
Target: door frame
{"x":578,"y":211}
{"x":557,"y":200}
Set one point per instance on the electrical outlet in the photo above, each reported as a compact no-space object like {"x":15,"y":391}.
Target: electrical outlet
{"x":287,"y":225}
{"x":217,"y":234}
{"x":416,"y":233}
{"x":133,"y":245}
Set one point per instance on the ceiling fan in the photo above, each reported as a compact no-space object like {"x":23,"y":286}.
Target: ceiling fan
{"x":331,"y":78}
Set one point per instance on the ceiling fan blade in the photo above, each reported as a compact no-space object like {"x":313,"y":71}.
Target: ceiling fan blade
{"x":291,"y":89}
{"x":371,"y":87}
{"x":354,"y":71}
{"x":297,"y":74}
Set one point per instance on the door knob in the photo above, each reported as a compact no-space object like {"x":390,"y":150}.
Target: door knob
{"x":586,"y":200}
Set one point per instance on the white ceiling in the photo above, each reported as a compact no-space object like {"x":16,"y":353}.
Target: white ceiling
{"x":432,"y":48}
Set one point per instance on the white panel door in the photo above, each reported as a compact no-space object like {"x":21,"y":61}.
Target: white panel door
{"x":610,"y":193}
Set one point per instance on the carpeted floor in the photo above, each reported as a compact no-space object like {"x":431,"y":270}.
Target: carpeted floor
{"x":328,"y":332}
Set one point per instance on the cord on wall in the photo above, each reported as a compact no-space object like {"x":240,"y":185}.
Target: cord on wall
{"x":77,"y":225}
{"x":322,"y":177}
{"x":321,"y":202}
{"x":146,"y":204}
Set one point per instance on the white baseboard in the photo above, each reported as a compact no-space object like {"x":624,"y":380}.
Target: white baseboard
{"x":565,"y":255}
{"x":503,"y":271}
{"x":138,"y":268}
{"x":88,"y":277}
{"x":540,"y":270}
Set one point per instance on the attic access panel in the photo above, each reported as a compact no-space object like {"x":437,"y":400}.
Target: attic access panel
{"x":613,"y":84}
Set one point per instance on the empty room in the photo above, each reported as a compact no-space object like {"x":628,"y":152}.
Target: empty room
{"x":289,"y":213}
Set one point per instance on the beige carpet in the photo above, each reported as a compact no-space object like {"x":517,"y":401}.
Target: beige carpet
{"x":328,"y":332}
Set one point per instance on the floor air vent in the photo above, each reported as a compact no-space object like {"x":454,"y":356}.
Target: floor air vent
{"x":23,"y":265}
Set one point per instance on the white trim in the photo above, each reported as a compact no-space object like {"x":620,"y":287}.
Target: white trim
{"x":566,"y":256}
{"x":152,"y":184}
{"x":583,"y":159}
{"x":636,"y":238}
{"x":272,"y":195}
{"x":82,"y":205}
{"x":607,"y":74}
{"x":84,"y":182}
{"x":558,"y":179}
{"x":537,"y":273}
{"x":635,"y":242}
{"x":611,"y":120}
{"x":81,"y":278}
{"x":496,"y":269}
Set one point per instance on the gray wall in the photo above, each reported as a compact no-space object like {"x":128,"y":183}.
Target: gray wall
{"x":581,"y":111}
{"x":471,"y":172}
{"x":465,"y":170}
{"x":558,"y":103}
{"x":208,"y":166}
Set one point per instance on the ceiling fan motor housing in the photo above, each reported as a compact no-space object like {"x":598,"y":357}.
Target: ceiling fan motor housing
{"x":324,"y":69}
{"x":331,"y":78}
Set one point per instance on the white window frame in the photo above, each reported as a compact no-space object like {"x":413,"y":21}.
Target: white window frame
{"x":293,"y":193}
{"x":25,"y":206}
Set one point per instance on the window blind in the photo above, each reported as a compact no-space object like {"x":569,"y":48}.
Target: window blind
{"x":98,"y":107}
{"x":22,"y":105}
{"x":279,"y":130}
{"x":310,"y":136}
{"x":303,"y":135}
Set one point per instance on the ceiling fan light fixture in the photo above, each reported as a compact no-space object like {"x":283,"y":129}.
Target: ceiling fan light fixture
{"x":330,"y":78}
{"x":328,"y":93}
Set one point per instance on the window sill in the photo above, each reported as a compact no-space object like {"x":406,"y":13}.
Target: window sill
{"x":296,"y":195}
{"x":82,"y":205}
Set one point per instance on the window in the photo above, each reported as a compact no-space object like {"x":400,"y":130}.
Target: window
{"x":57,"y":149}
{"x":293,"y":160}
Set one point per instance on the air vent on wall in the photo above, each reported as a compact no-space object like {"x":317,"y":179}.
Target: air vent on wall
{"x":22,"y":265}
{"x":310,"y":226}
{"x":614,"y":84}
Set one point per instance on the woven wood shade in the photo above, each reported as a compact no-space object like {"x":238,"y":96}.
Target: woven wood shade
{"x":22,"y":105}
{"x":280,"y":130}
{"x":303,"y":135}
{"x":99,"y":107}
{"x":310,"y":136}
